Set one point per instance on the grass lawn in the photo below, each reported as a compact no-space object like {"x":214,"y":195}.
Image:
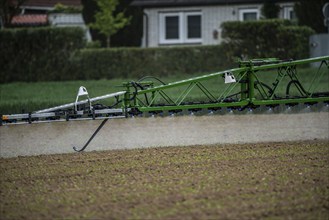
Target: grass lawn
{"x":27,"y":97}
{"x":21,"y":96}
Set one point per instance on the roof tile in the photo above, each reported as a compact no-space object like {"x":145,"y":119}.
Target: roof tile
{"x":29,"y":20}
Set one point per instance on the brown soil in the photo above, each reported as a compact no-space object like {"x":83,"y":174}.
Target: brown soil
{"x":247,"y":181}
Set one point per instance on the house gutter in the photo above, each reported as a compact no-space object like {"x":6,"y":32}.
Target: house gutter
{"x":176,"y":3}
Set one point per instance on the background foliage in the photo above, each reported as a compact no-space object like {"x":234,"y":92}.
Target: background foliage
{"x":265,"y":38}
{"x":38,"y":54}
{"x":138,"y":62}
{"x":309,"y":13}
{"x":123,"y":36}
{"x":270,"y":9}
{"x":107,"y":22}
{"x":56,"y":54}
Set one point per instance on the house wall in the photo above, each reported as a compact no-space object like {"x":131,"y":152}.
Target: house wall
{"x":212,"y":17}
{"x":69,"y":20}
{"x":57,"y":19}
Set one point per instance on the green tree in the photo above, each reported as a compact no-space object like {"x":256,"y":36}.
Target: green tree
{"x":309,"y":13}
{"x":270,"y":10}
{"x":135,"y":28}
{"x":8,"y":9}
{"x":106,"y":21}
{"x":89,"y":10}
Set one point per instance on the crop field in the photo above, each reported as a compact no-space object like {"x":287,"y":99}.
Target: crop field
{"x":246,"y":181}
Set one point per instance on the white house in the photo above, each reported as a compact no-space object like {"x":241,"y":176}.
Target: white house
{"x":68,"y":20}
{"x":39,"y":13}
{"x":197,"y":22}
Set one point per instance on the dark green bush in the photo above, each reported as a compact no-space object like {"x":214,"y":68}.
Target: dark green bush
{"x":137,"y":62}
{"x":265,"y":38}
{"x":38,"y":54}
{"x":53,"y":54}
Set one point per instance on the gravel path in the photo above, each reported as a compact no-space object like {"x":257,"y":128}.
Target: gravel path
{"x":59,"y":137}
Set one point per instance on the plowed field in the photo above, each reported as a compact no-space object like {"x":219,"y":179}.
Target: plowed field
{"x":247,"y":181}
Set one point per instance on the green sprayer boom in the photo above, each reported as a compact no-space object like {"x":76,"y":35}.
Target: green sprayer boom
{"x":256,"y":85}
{"x":251,"y":85}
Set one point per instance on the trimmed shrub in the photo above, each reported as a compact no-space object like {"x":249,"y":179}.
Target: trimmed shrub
{"x":38,"y":54}
{"x":265,"y":38}
{"x":54,"y":54}
{"x":137,"y":62}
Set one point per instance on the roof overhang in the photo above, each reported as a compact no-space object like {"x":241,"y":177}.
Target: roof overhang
{"x":177,"y":3}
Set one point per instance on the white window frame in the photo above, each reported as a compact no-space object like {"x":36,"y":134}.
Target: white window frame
{"x":162,"y":27}
{"x":248,"y":10}
{"x":191,"y":40}
{"x":286,"y":12}
{"x":182,"y":29}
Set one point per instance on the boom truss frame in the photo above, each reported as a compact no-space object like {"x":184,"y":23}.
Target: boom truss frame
{"x":247,"y":91}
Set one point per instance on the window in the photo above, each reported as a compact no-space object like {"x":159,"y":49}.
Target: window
{"x":193,"y":26}
{"x":248,"y":14}
{"x":172,"y":27}
{"x":289,"y":13}
{"x":180,"y":27}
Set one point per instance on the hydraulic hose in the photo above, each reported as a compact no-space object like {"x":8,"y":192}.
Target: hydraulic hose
{"x":298,"y":85}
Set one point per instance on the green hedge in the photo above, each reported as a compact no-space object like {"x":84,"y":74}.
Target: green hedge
{"x":266,"y":38}
{"x":137,"y":62}
{"x":38,"y":54}
{"x":53,"y":54}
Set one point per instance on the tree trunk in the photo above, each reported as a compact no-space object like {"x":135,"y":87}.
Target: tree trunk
{"x":108,"y":41}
